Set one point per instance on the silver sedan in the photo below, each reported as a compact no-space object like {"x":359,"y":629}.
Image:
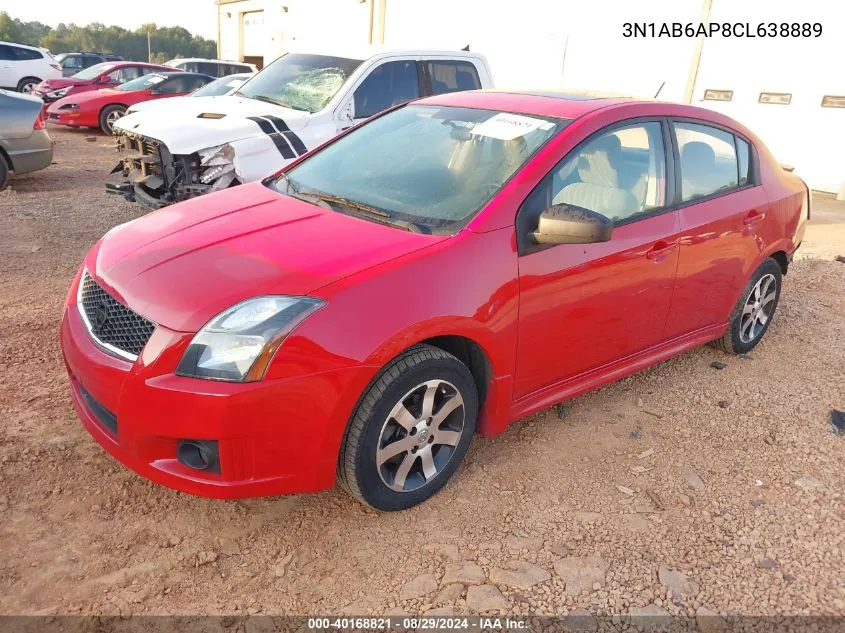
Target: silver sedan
{"x":25,"y":145}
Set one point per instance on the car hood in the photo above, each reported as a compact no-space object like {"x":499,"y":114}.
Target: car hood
{"x":55,"y":84}
{"x":185,"y":130}
{"x":183,"y":264}
{"x":158,"y":104}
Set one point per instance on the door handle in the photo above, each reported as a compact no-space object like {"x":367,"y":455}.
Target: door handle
{"x":661,"y":249}
{"x":753,"y":217}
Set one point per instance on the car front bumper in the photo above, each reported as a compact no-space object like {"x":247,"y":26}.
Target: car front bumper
{"x":273,"y":436}
{"x":31,"y":153}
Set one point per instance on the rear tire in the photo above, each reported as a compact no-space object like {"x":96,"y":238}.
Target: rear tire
{"x":26,"y":84}
{"x":108,"y":116}
{"x":410,"y":431}
{"x":754,"y":311}
{"x":4,"y":172}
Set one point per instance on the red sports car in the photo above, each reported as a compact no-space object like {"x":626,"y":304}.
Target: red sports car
{"x":445,"y":269}
{"x":105,"y":75}
{"x":101,"y":108}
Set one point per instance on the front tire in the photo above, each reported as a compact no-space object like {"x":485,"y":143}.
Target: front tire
{"x":410,"y":430}
{"x":109,"y":116}
{"x":754,"y":311}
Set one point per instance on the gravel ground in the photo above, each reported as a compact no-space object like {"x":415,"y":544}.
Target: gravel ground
{"x":683,"y":489}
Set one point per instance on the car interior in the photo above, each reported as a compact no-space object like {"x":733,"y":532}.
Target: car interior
{"x":615,"y":179}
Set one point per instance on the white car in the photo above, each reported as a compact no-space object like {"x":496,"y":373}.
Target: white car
{"x":212,"y":67}
{"x":296,"y":103}
{"x":216,"y":88}
{"x":24,"y":67}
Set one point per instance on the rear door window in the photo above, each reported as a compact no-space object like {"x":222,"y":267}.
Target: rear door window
{"x":743,"y":154}
{"x":389,"y":84}
{"x":73,"y":62}
{"x":26,"y":54}
{"x":708,"y":160}
{"x":209,"y":68}
{"x":452,"y":76}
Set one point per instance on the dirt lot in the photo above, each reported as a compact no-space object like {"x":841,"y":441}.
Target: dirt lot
{"x":683,"y":487}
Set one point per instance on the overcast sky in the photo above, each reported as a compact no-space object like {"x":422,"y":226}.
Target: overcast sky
{"x":198,"y":16}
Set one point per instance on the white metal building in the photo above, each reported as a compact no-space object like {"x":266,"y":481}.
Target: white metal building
{"x":789,"y":90}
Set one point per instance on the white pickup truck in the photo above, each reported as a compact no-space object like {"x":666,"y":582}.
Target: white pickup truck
{"x":197,"y":146}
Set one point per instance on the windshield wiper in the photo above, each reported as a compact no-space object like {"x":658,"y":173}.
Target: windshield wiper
{"x":382,"y":217}
{"x":263,"y":98}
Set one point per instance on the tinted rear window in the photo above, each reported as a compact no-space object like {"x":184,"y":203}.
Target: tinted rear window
{"x":452,"y":76}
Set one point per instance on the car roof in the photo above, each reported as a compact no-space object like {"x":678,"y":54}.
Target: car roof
{"x":32,"y":48}
{"x":205,"y":59}
{"x":368,"y":51}
{"x":564,"y":105}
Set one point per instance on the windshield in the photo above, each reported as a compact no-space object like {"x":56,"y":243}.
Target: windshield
{"x":221,"y":86}
{"x":430,"y":167}
{"x":93,"y":71}
{"x":142,"y":83}
{"x":300,"y":81}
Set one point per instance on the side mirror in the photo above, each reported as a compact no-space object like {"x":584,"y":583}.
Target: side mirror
{"x":105,"y":79}
{"x":568,"y":224}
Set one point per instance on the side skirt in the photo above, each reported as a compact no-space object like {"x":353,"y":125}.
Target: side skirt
{"x":575,"y":386}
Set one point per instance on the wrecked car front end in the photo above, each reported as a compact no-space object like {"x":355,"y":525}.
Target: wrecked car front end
{"x":148,"y":173}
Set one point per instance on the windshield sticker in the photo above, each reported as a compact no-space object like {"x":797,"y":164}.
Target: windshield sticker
{"x":155,"y":79}
{"x":507,"y":127}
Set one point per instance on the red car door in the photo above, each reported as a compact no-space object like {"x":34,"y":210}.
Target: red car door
{"x":723,"y":223}
{"x":585,"y":305}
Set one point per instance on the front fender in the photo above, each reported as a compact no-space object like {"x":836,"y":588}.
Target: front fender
{"x":257,"y":157}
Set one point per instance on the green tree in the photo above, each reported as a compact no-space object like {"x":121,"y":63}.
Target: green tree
{"x":167,"y":41}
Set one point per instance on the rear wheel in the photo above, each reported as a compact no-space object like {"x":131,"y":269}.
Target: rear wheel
{"x":109,"y":116}
{"x":754,"y":311}
{"x":4,"y":172}
{"x":410,"y":431}
{"x":27,"y":84}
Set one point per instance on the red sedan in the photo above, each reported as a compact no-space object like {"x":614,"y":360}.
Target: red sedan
{"x":442,"y":270}
{"x":101,"y":108}
{"x":105,"y":75}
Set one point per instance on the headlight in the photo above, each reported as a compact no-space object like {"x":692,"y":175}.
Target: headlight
{"x":70,"y":106}
{"x":217,"y":164}
{"x":238,"y":343}
{"x":57,"y":94}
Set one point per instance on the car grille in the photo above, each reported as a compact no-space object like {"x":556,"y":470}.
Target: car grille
{"x":110,"y":323}
{"x":143,"y":153}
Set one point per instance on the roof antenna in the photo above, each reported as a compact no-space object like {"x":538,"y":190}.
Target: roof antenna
{"x":465,"y":48}
{"x":656,"y":94}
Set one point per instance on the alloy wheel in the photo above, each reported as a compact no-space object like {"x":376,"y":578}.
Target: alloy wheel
{"x":111,"y":119}
{"x":27,"y":88}
{"x":758,"y":308}
{"x":420,"y":435}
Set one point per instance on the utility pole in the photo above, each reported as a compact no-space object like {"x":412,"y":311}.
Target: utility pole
{"x":149,"y":48}
{"x":696,"y":54}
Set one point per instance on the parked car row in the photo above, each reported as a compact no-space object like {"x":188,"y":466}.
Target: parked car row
{"x":298,"y":102}
{"x":23,"y":67}
{"x":102,"y":108}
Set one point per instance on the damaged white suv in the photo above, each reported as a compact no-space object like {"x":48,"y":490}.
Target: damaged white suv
{"x":302,"y":99}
